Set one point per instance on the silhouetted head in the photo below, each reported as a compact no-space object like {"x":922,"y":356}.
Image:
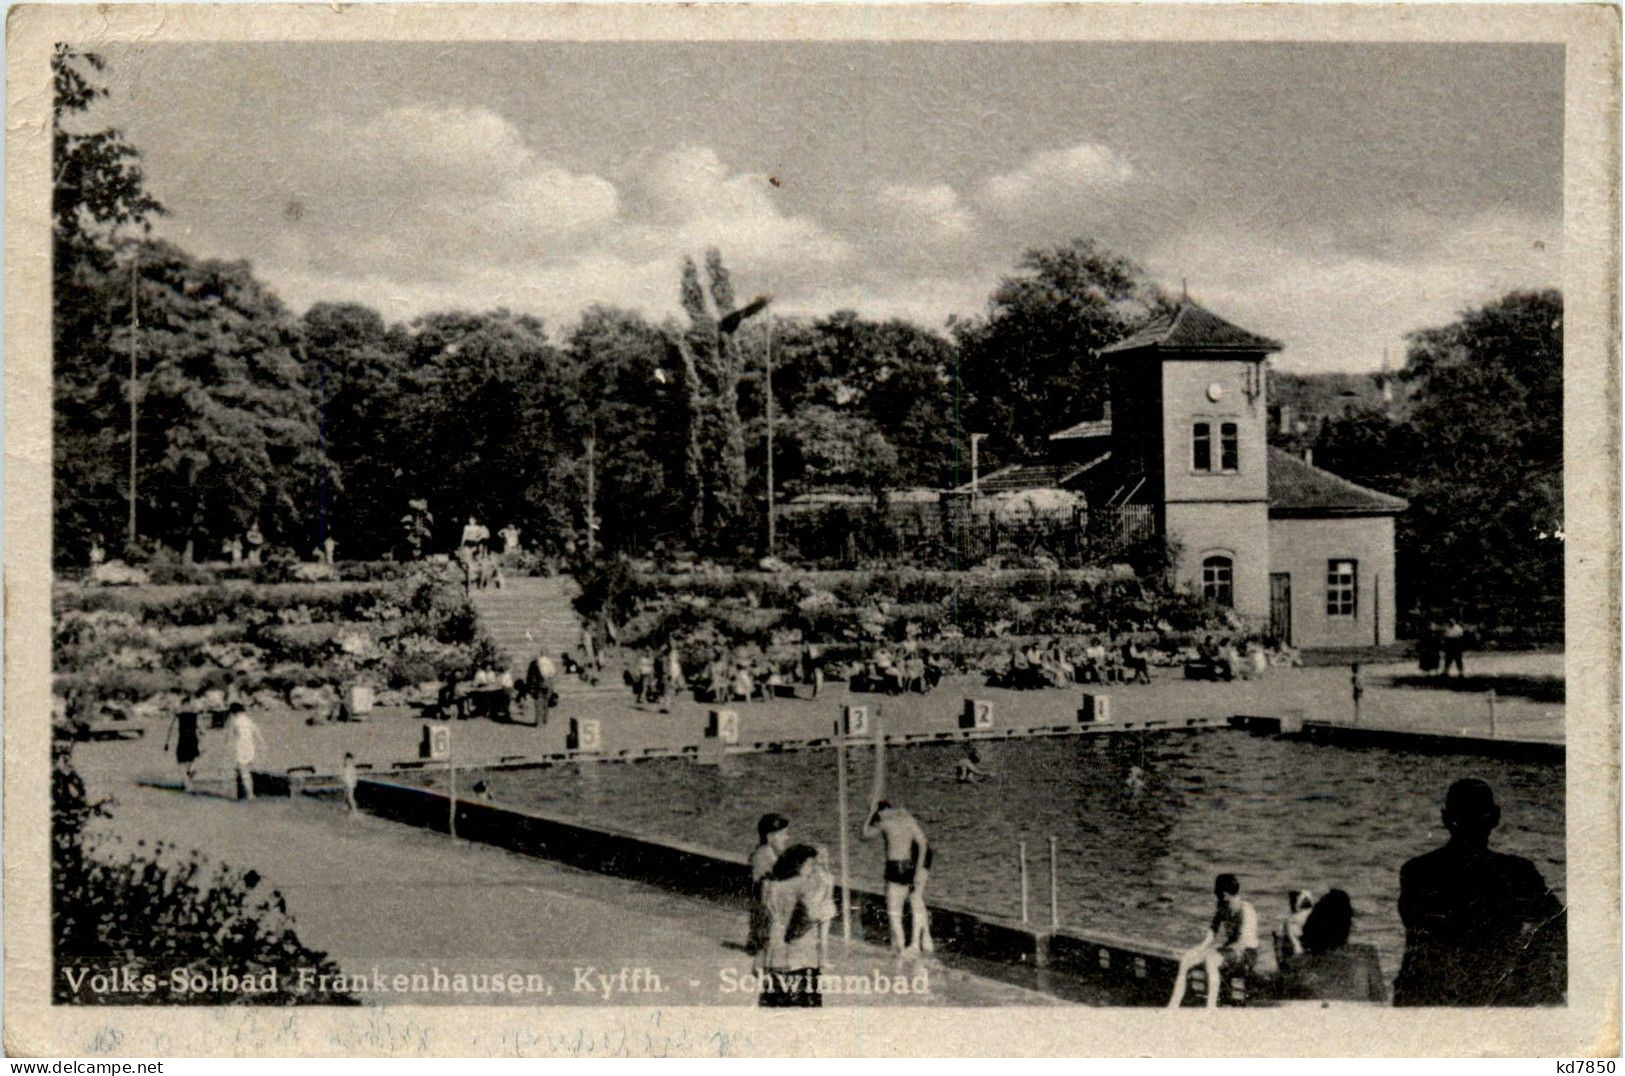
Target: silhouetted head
{"x":1470,"y":811}
{"x":1226,"y":887}
{"x":970,"y":753}
{"x":793,"y":862}
{"x":774,"y":829}
{"x":1327,"y":927}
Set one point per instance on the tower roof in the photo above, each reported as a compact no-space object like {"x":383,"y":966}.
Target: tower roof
{"x":1192,"y":328}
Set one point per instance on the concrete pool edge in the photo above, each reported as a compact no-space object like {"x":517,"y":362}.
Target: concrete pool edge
{"x":1062,"y":962}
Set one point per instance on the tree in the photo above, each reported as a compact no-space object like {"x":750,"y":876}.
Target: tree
{"x":98,"y":189}
{"x":358,"y":365}
{"x":1482,"y":538}
{"x":893,"y":374}
{"x":1030,"y":366}
{"x":97,"y":185}
{"x":228,"y":438}
{"x":710,"y":359}
{"x":839,"y":451}
{"x":629,"y":400}
{"x":485,"y":405}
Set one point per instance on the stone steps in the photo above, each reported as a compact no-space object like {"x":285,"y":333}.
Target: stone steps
{"x":534,"y":615}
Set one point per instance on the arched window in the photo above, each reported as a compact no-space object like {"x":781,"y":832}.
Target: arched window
{"x":1217,"y":575}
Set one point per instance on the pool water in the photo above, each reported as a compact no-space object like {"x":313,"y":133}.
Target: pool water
{"x":1279,"y":814}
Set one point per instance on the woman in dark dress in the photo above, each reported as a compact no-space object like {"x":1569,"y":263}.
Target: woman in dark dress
{"x":1329,"y":968}
{"x":184,"y":729}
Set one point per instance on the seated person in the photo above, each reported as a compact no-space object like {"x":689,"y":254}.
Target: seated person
{"x":914,"y":673}
{"x":1053,"y":662}
{"x":1018,"y":670}
{"x":1289,"y":942}
{"x":744,"y":684}
{"x":1231,"y":943}
{"x":1228,"y":665}
{"x":884,"y":675}
{"x":1329,"y":968}
{"x":1255,"y":658}
{"x":934,"y":671}
{"x":1135,"y":663}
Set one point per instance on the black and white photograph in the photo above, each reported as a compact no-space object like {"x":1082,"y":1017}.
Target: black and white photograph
{"x":911,"y":522}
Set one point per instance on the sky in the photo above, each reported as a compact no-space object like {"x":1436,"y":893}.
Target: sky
{"x":1333,"y":196}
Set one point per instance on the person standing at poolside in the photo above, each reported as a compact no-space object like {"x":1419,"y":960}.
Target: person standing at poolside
{"x":773,"y":837}
{"x":347,"y":774}
{"x":1231,"y":943}
{"x":908,"y":868}
{"x":247,"y":742}
{"x":800,"y":901}
{"x":187,"y":749}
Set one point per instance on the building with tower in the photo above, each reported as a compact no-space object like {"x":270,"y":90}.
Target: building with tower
{"x":1295,"y":550}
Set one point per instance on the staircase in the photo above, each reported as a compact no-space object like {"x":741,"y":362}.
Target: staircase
{"x":534,"y":616}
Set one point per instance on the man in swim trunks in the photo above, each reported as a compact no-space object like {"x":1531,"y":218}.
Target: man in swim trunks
{"x":908,"y":868}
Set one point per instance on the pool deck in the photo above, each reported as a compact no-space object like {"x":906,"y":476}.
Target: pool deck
{"x":474,"y":908}
{"x":1391,"y":712}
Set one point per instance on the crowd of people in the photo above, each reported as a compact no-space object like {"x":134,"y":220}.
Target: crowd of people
{"x":1058,"y":664}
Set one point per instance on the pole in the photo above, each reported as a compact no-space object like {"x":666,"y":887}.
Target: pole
{"x":975,"y":440}
{"x":135,"y":336}
{"x":1376,"y":605}
{"x":1054,"y":889}
{"x":877,"y":788}
{"x":1492,"y":713}
{"x":1021,"y":851}
{"x":772,"y":521}
{"x":451,"y":777}
{"x":321,"y":443}
{"x":846,"y":875}
{"x":592,"y":499}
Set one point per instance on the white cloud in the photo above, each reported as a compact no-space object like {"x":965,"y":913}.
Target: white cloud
{"x":1057,"y":182}
{"x":688,"y":200}
{"x":1338,"y":311}
{"x":923,"y":213}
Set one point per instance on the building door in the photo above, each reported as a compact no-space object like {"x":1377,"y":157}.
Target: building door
{"x":1281,"y":606}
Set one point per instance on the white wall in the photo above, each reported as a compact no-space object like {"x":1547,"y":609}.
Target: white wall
{"x":1303,"y":547}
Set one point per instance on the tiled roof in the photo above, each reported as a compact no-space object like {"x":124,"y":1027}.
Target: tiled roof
{"x":1191,"y":328}
{"x":1020,"y":476}
{"x":1302,"y":489}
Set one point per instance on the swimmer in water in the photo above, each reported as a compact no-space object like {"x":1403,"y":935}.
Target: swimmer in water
{"x":969,"y":768}
{"x":908,"y":867}
{"x":1136,"y":781}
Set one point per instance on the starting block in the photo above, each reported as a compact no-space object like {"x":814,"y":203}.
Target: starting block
{"x":1096,"y":709}
{"x":436,"y":743}
{"x":585,"y":735}
{"x":978,"y":714}
{"x":723,"y":726}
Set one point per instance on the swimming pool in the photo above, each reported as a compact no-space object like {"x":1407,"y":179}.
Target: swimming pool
{"x":1280,"y":814}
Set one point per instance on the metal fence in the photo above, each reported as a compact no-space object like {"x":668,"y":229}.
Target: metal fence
{"x":954,"y":531}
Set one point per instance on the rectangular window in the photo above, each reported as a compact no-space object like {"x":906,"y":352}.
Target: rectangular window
{"x":1228,"y":453}
{"x":1341,"y":587}
{"x":1202,"y":447}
